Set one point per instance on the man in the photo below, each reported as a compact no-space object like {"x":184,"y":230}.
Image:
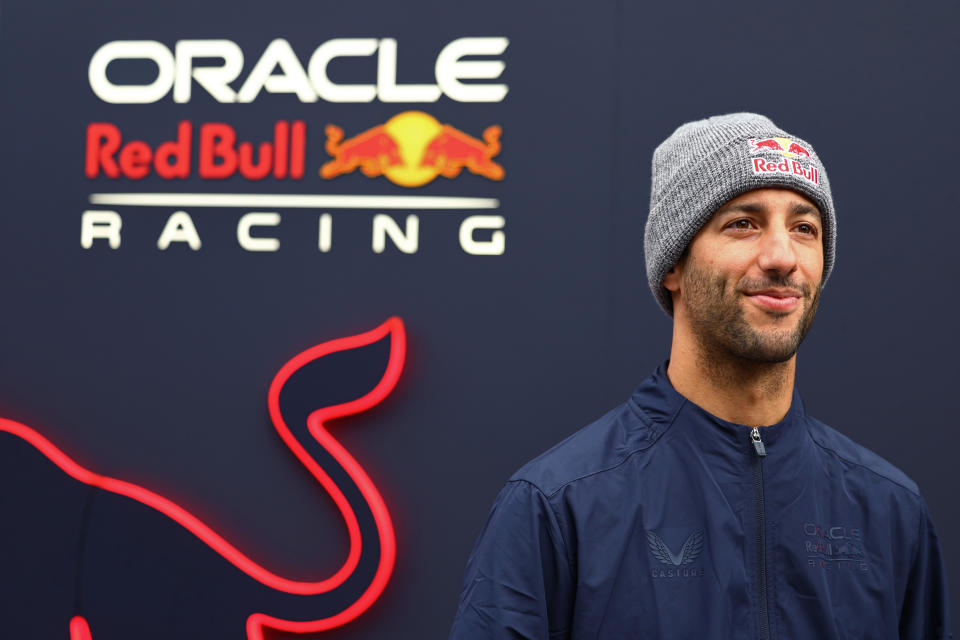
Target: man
{"x":710,"y":505}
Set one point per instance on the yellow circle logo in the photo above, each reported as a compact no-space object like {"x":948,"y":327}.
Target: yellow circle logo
{"x":413,"y":131}
{"x":411,"y":149}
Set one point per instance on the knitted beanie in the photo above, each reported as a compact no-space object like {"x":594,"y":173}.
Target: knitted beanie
{"x":707,"y":163}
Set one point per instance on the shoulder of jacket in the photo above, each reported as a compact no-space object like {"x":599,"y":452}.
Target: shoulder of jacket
{"x":599,"y":447}
{"x":842,"y":447}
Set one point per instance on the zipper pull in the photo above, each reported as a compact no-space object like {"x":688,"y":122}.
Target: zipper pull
{"x":757,"y":442}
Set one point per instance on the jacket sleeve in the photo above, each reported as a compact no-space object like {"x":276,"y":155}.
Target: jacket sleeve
{"x":518,"y":583}
{"x":926,"y":607}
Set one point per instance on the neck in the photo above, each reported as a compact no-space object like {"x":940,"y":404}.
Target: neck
{"x":737,"y":390}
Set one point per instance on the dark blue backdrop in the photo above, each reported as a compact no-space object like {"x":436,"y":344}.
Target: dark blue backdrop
{"x":153,"y":365}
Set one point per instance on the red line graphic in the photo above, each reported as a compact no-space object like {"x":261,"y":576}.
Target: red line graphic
{"x":79,"y":629}
{"x":316,"y":423}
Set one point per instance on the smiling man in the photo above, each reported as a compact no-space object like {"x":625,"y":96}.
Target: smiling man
{"x":743,"y":297}
{"x":710,"y":505}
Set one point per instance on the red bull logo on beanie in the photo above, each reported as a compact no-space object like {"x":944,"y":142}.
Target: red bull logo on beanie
{"x":411,"y":149}
{"x":794,"y":167}
{"x":783,"y":146}
{"x":788,"y":163}
{"x":759,"y":145}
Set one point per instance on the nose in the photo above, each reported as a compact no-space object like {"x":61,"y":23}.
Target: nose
{"x":777,"y":253}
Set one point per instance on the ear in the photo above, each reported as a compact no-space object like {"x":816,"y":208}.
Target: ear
{"x":671,"y":281}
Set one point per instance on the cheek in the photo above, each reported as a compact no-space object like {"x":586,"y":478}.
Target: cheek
{"x":727,"y":269}
{"x":703,"y":283}
{"x":811,"y":262}
{"x":729,"y":258}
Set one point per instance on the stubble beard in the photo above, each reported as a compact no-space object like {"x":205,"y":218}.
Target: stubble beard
{"x":722,"y":331}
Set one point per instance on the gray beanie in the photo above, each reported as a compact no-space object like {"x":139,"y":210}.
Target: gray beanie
{"x":707,"y":163}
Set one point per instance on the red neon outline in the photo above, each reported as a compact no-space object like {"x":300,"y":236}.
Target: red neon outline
{"x":79,"y":629}
{"x":316,"y":422}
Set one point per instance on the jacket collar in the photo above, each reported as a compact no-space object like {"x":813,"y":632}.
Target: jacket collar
{"x":663,"y":406}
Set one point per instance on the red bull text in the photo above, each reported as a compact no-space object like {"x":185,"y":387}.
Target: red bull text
{"x":794,"y":167}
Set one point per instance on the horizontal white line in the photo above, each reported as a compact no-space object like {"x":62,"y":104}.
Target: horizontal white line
{"x":290,"y":201}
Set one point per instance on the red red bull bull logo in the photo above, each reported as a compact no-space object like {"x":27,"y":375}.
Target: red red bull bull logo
{"x":791,"y":152}
{"x":794,"y":167}
{"x":784,"y":146}
{"x":411,"y":149}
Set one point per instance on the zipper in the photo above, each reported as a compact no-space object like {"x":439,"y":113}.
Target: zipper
{"x":762,"y":602}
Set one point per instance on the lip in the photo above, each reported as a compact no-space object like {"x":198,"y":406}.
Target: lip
{"x":775,"y":299}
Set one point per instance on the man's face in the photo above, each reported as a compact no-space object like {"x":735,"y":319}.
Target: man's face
{"x":750,"y":282}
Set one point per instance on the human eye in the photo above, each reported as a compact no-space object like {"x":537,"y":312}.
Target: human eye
{"x":807,"y":228}
{"x":740,"y":224}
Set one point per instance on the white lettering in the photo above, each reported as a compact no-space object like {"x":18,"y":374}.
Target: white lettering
{"x":387,"y":88}
{"x":292,"y":80}
{"x":179,"y":228}
{"x":325,"y":238}
{"x":341,"y":48}
{"x":131,"y":50}
{"x":492,"y":247}
{"x":100,"y":224}
{"x":178,"y":71}
{"x":214,"y":79}
{"x":407,"y":241}
{"x":403,"y":235}
{"x":257,"y":219}
{"x":450,"y":69}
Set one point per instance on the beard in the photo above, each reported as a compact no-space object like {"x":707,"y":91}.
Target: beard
{"x":717,"y":316}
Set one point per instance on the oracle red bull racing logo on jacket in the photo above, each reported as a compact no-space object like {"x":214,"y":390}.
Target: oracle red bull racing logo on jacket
{"x":790,"y":160}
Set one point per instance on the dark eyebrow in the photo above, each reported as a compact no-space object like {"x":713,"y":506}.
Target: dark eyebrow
{"x":797,"y":208}
{"x":745,"y":207}
{"x":802,"y":208}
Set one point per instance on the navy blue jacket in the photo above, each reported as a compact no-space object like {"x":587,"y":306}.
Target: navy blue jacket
{"x":663,"y":521}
